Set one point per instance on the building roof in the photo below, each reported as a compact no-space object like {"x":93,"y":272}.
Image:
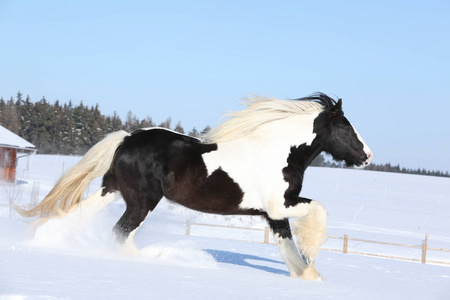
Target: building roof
{"x":11,"y":140}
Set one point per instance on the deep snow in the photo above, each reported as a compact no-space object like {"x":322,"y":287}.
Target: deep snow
{"x":75,"y":257}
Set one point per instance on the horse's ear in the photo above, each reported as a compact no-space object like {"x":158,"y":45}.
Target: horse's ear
{"x":335,"y":111}
{"x":338,"y":106}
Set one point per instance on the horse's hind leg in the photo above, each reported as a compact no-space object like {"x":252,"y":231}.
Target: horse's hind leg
{"x":297,"y":264}
{"x":95,"y":202}
{"x":137,"y":210}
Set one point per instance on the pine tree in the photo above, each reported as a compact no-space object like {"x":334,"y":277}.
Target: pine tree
{"x":318,"y":161}
{"x":10,"y":117}
{"x":19,"y":98}
{"x":67,"y":129}
{"x":97,"y":127}
{"x":53,"y":126}
{"x":78,"y":134}
{"x":167,"y":123}
{"x":19,"y":103}
{"x":194,"y":132}
{"x":114,"y":123}
{"x":205,"y":130}
{"x":179,"y":128}
{"x":2,"y":111}
{"x":146,"y":123}
{"x":132,"y":123}
{"x":39,"y":124}
{"x":25,"y":116}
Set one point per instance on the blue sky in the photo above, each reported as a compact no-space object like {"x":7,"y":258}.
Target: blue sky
{"x":193,"y":60}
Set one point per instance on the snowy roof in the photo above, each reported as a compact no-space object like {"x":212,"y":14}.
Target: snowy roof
{"x":11,"y":140}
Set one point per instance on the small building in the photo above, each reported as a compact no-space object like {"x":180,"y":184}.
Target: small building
{"x":10,"y":146}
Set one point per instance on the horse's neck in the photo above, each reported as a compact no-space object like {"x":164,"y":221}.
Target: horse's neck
{"x":286,"y":133}
{"x":270,"y":144}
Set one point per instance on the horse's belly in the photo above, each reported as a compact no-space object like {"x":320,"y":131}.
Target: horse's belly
{"x":215,"y":193}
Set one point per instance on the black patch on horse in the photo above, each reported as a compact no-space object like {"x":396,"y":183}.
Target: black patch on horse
{"x":154,"y":163}
{"x":280,"y":227}
{"x":298,"y":160}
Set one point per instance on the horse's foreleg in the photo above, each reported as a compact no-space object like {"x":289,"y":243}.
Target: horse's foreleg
{"x":283,"y":237}
{"x":311,"y":233}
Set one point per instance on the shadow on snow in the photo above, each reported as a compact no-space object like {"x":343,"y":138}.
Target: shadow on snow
{"x":241,"y":260}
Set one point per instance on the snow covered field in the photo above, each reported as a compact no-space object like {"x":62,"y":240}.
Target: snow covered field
{"x":75,"y":258}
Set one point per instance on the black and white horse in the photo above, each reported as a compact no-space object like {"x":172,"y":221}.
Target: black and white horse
{"x":251,"y":164}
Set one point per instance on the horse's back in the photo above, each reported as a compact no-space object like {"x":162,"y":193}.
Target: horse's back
{"x":151,"y":157}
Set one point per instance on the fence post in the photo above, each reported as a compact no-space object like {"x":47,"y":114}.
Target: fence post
{"x":35,"y":193}
{"x":266,"y":235}
{"x":424,"y":249}
{"x":345,"y":243}
{"x":188,"y":227}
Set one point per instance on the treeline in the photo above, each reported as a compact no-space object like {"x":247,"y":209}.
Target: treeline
{"x":397,"y":169}
{"x":320,"y":161}
{"x":56,"y":128}
{"x":69,"y":129}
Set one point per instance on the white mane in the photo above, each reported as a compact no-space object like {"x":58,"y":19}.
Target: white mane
{"x":259,"y":111}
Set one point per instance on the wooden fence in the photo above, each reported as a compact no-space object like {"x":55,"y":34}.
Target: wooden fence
{"x":424,"y":248}
{"x":345,"y":245}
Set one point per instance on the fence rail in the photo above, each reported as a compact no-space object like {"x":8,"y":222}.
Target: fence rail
{"x":345,"y":249}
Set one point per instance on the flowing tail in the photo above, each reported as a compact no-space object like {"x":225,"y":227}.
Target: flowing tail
{"x":69,"y":189}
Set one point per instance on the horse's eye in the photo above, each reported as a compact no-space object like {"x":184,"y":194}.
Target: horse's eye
{"x":348,"y":128}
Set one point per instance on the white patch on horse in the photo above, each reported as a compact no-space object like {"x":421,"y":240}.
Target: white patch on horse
{"x":366,"y":148}
{"x":256,"y":162}
{"x":309,"y":142}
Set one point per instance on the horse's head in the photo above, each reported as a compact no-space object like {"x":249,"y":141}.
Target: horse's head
{"x":343,"y":142}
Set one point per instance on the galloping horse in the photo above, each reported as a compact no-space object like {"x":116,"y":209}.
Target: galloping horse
{"x":251,"y":164}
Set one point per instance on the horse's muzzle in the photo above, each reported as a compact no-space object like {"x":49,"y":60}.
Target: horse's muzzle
{"x":368,"y":157}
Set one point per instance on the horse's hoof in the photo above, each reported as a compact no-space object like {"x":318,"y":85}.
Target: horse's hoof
{"x":310,"y":273}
